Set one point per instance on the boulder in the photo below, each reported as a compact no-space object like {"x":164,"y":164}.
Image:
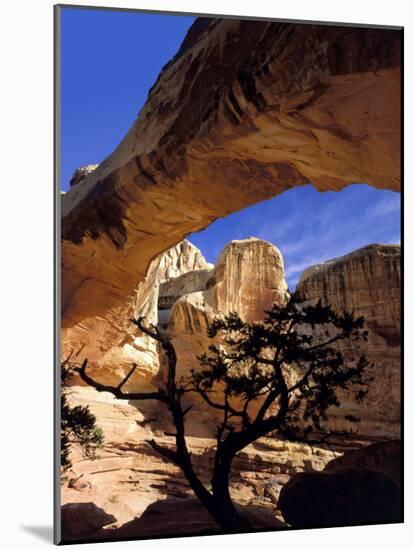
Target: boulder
{"x":347,"y":496}
{"x":185,"y":516}
{"x":384,"y":456}
{"x":79,"y":483}
{"x":80,"y":174}
{"x":83,"y":518}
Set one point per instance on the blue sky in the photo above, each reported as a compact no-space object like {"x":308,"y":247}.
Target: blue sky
{"x":109,"y":62}
{"x":310,"y":227}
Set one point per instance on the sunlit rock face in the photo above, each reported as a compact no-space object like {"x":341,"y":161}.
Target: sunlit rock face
{"x":171,"y":291}
{"x":247,"y":279}
{"x":368,"y":282}
{"x":244,"y":111}
{"x":180,"y":259}
{"x":113,"y":344}
{"x":80,"y":174}
{"x":182,"y":293}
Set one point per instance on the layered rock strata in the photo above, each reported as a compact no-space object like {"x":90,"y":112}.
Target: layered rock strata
{"x":128,"y":477}
{"x":368,"y":282}
{"x":247,"y":278}
{"x":171,"y":291}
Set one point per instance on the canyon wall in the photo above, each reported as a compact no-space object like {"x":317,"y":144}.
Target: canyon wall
{"x":368,"y":282}
{"x":183,"y":293}
{"x":244,"y":111}
{"x":249,"y":277}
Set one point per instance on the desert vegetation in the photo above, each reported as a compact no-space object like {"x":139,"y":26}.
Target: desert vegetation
{"x":78,"y":424}
{"x":276,"y":377}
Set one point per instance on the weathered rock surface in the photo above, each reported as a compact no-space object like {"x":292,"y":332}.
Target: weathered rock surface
{"x":362,"y":485}
{"x":179,"y":260}
{"x":112,"y":344}
{"x":128,"y":475}
{"x":278,"y":105}
{"x":384,"y":456}
{"x":347,"y":496}
{"x":185,"y":516}
{"x":83,"y":518}
{"x":248,"y":278}
{"x":80,"y":174}
{"x":171,"y":291}
{"x":368,"y":282}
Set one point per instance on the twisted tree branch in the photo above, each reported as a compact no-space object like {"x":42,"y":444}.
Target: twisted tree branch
{"x":116,"y":390}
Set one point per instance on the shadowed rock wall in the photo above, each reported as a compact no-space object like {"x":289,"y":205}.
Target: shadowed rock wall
{"x":368,"y":282}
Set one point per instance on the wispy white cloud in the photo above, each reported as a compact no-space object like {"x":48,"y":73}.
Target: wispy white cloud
{"x":337,"y":230}
{"x":312,"y":227}
{"x":384,"y":207}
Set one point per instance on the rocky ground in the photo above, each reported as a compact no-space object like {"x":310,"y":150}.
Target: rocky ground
{"x":129,"y":487}
{"x":128,"y":477}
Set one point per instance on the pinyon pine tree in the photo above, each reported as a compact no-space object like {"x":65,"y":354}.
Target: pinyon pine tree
{"x":252,"y":363}
{"x":78,"y":424}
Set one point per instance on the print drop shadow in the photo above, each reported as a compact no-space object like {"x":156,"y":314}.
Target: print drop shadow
{"x":42,"y":532}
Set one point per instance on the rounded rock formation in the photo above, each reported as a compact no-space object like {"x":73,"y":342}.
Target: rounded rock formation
{"x":347,"y":496}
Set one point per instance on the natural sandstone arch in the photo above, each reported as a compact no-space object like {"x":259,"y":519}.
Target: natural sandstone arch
{"x":244,"y":111}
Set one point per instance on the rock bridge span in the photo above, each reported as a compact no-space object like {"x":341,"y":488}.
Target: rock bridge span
{"x":244,"y":111}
